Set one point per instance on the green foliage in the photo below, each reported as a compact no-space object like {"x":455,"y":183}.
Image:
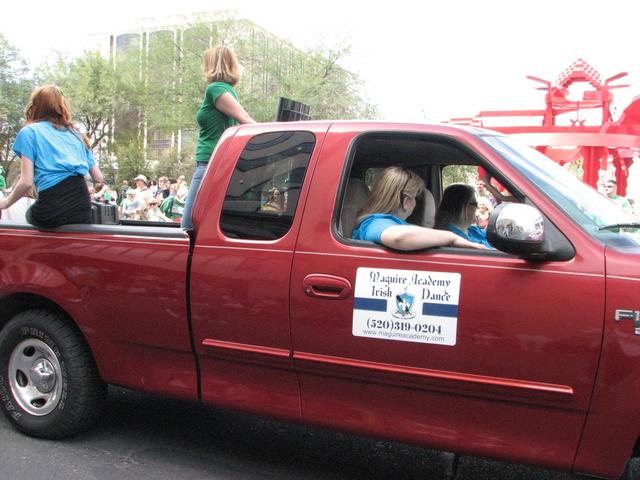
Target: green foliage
{"x":275,"y":69}
{"x":175,"y":164}
{"x":131,"y":159}
{"x":90,"y":86}
{"x":459,"y":174}
{"x":137,"y":103}
{"x":330,"y":90}
{"x":15,"y":88}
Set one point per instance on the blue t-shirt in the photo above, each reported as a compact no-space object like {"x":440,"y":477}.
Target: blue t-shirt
{"x":56,"y":154}
{"x":474,"y":234}
{"x":372,"y":226}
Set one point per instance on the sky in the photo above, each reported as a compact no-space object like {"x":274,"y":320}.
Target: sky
{"x":419,"y":60}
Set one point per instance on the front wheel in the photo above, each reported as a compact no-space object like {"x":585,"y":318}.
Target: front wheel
{"x":49,"y":384}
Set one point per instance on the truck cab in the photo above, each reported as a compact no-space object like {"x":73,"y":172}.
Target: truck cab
{"x":507,"y":355}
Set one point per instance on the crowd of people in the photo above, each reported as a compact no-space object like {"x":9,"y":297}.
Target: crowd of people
{"x":160,"y":200}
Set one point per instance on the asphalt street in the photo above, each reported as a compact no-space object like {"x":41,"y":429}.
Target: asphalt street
{"x":143,"y":437}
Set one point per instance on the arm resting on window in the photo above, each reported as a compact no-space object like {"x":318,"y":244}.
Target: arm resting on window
{"x":413,"y":237}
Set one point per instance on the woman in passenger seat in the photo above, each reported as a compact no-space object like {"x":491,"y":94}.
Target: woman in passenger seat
{"x":392,"y":200}
{"x":457,"y":212}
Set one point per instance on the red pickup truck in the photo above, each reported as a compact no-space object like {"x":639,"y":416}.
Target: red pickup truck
{"x":523,"y":353}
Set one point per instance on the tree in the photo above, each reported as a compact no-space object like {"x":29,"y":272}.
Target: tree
{"x":96,"y":93}
{"x":459,"y":174}
{"x":15,"y":87}
{"x":330,"y":90}
{"x":131,"y":160}
{"x":106,"y":101}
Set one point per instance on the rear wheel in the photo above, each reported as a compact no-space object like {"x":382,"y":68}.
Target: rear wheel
{"x":49,"y":384}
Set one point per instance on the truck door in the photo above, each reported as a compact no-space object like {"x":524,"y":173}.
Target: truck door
{"x":465,"y":350}
{"x":247,"y":218}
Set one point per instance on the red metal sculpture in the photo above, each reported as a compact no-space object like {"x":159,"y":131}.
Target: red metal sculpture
{"x":595,"y":144}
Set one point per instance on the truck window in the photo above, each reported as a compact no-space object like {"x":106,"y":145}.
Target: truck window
{"x":440,"y":161}
{"x":587,"y":208}
{"x":263,"y":192}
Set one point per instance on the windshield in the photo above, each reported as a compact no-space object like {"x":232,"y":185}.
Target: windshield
{"x":587,"y":208}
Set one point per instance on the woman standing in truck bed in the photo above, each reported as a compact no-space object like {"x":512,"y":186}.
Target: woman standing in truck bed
{"x":55,"y":157}
{"x":220,"y":110}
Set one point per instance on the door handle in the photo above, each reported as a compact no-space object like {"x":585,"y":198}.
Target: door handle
{"x":328,"y":287}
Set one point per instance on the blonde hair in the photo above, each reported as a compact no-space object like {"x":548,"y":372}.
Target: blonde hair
{"x":220,"y":64}
{"x":388,"y":191}
{"x":48,"y":104}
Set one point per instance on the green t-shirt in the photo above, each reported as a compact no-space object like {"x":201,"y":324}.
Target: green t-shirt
{"x":172,"y":207}
{"x":212,"y":121}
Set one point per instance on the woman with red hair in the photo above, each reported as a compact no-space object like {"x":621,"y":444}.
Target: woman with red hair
{"x":55,"y":157}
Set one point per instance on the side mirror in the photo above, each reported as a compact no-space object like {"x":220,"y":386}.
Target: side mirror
{"x":521,"y":230}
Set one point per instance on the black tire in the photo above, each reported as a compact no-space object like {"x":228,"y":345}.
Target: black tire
{"x":49,"y":383}
{"x":632,"y":470}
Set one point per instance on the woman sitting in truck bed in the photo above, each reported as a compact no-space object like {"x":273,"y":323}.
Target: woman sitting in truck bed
{"x":55,"y":157}
{"x":392,"y":200}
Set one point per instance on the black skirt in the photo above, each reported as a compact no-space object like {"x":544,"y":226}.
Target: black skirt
{"x":66,"y":202}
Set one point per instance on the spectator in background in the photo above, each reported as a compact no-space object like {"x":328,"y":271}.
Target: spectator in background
{"x":482,"y":192}
{"x":122,"y":194}
{"x":110,"y":195}
{"x":173,"y":205}
{"x":130,"y":207}
{"x":183,"y":189}
{"x":55,"y":157}
{"x":611,"y":191}
{"x":163,"y":188}
{"x":105,"y":194}
{"x":483,"y":211}
{"x":154,"y":214}
{"x":220,"y":110}
{"x":143,"y":194}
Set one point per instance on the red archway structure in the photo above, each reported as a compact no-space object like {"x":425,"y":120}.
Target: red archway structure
{"x":594,"y":144}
